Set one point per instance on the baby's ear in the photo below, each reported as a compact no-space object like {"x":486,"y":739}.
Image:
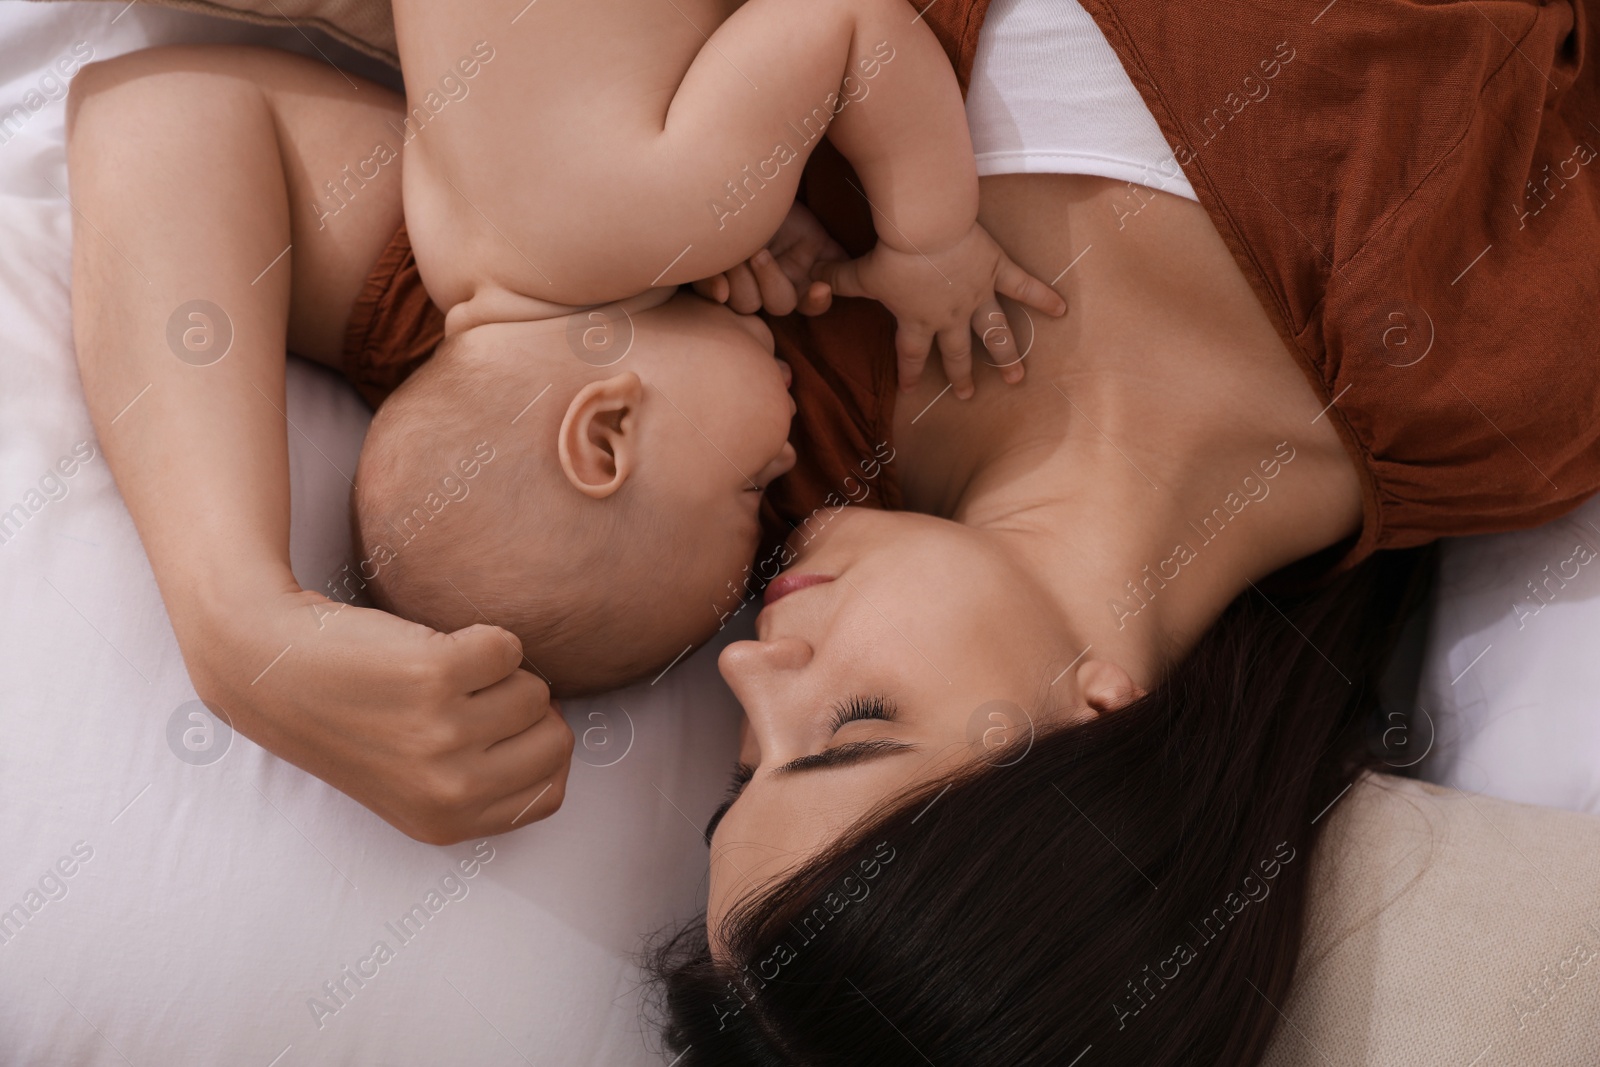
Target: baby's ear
{"x":599,"y":435}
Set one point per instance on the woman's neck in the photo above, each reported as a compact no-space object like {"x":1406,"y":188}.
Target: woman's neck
{"x":1165,"y":451}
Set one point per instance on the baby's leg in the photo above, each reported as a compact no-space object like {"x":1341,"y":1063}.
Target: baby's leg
{"x":605,"y":149}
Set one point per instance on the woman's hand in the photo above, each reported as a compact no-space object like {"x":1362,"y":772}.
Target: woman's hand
{"x":949,"y":295}
{"x":778,"y":279}
{"x":440,"y":734}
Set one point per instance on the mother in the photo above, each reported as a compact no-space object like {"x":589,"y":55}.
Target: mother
{"x":1038,"y":770}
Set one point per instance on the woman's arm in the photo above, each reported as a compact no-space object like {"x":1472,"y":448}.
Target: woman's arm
{"x":194,"y":174}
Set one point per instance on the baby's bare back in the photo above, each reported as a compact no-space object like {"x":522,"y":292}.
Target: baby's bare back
{"x":606,"y":147}
{"x":526,"y":118}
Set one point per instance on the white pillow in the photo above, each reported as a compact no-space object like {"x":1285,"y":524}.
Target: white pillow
{"x":1512,"y":674}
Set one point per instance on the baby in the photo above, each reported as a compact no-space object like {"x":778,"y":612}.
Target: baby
{"x":620,"y":432}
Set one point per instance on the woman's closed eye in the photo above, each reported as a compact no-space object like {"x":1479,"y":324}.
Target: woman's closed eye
{"x":858,"y":708}
{"x":853,"y":709}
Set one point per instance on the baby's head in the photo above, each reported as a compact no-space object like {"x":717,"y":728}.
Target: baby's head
{"x":592,"y":485}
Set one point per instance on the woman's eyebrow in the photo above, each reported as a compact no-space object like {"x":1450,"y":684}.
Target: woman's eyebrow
{"x":846,"y":755}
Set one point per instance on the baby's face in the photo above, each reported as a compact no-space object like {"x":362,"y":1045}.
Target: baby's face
{"x":721,"y":435}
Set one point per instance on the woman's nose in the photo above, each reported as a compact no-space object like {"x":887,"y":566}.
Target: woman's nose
{"x":759,"y":673}
{"x":748,"y":665}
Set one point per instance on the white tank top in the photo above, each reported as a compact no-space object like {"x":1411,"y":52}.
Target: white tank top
{"x":1049,"y":96}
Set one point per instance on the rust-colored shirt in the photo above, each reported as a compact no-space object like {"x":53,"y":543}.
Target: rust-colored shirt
{"x":394,"y":327}
{"x":1413,"y":191}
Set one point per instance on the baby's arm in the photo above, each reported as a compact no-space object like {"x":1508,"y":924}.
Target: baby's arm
{"x":194,"y":175}
{"x":873,"y":75}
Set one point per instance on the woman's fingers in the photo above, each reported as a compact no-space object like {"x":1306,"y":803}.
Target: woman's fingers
{"x":1011,"y":280}
{"x":955,"y":346}
{"x":538,"y":801}
{"x":521,"y":766}
{"x":990,"y":324}
{"x":479,"y":656}
{"x":504,"y":710}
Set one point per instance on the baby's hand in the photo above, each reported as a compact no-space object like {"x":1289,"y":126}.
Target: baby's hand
{"x":778,"y":279}
{"x":949,"y":295}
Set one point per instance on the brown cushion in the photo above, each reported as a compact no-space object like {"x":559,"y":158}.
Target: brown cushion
{"x":1448,"y":930}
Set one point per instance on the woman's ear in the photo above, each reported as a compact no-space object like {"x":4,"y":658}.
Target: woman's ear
{"x":598,"y":440}
{"x":1106,"y":686}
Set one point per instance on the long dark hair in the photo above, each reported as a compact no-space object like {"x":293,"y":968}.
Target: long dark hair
{"x":1134,"y":886}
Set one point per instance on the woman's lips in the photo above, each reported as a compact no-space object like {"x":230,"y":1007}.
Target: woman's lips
{"x":789,"y":582}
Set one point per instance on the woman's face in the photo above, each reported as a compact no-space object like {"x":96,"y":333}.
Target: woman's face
{"x":896,"y":648}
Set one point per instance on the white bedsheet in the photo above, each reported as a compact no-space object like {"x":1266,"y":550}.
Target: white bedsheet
{"x":208,"y":903}
{"x":1512,"y":673}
